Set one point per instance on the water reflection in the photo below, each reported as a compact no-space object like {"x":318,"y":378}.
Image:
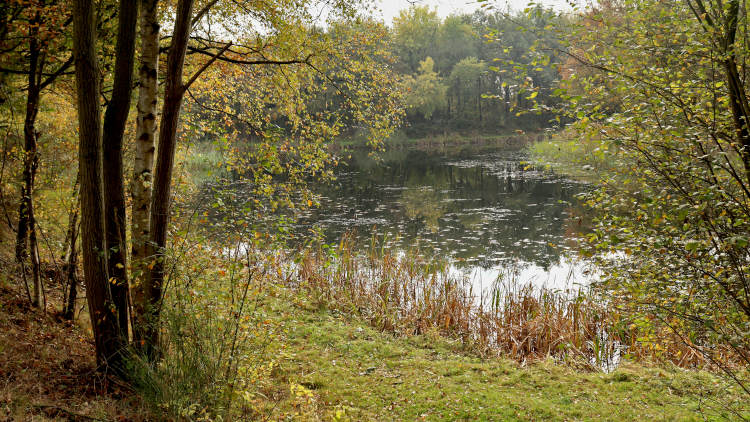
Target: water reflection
{"x":487,"y":210}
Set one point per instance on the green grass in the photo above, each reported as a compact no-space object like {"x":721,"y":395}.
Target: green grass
{"x":202,"y":162}
{"x":351,"y":371}
{"x":569,"y":154}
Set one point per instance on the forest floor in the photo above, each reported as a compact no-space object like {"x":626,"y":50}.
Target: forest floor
{"x":47,"y":369}
{"x":334,"y":367}
{"x":47,"y":365}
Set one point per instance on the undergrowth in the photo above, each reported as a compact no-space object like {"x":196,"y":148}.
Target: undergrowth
{"x":217,"y":343}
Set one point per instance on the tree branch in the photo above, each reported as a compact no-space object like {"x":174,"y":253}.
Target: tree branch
{"x":251,"y":62}
{"x":202,"y":12}
{"x":205,"y":66}
{"x":60,"y":71}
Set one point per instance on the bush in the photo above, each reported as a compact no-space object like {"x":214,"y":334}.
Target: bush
{"x":217,"y":348}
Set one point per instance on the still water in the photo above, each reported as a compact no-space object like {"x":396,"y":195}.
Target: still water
{"x":490,"y":211}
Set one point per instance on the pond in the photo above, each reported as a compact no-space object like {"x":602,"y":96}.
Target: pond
{"x":489,"y":210}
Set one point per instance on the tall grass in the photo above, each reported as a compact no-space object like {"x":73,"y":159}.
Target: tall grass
{"x":217,"y":347}
{"x":405,"y":293}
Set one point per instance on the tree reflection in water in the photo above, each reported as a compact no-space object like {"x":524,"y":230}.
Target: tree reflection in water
{"x":486,"y":210}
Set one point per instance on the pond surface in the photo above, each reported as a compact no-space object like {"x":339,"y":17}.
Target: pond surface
{"x":490,"y":211}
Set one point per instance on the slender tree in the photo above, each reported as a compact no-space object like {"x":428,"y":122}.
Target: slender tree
{"x":32,"y":44}
{"x":174,"y":90}
{"x":115,"y":118}
{"x":31,"y":158}
{"x":71,"y":254}
{"x":109,"y":343}
{"x":144,"y":160}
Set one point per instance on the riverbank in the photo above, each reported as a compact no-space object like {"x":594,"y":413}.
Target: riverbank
{"x":566,"y":153}
{"x":352,"y":370}
{"x":400,"y":140}
{"x":306,"y":359}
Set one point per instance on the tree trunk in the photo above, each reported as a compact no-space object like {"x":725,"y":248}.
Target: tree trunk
{"x":506,"y":105}
{"x":160,"y":202}
{"x":31,"y":158}
{"x":71,"y":256}
{"x":109,"y":344}
{"x":72,"y":216}
{"x":479,"y":98}
{"x":39,"y":297}
{"x":115,"y":118}
{"x":144,"y":162}
{"x":737,"y":95}
{"x":71,"y":265}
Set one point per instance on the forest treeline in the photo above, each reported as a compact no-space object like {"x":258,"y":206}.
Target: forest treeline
{"x":461,"y":73}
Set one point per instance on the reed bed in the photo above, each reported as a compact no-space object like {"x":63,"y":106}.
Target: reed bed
{"x":408,"y":294}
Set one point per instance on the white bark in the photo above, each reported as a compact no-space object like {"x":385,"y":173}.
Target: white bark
{"x":144,"y":152}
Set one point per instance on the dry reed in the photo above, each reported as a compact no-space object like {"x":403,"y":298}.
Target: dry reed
{"x":407,"y":294}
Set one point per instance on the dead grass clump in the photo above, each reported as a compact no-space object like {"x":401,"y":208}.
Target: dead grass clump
{"x":405,"y":293}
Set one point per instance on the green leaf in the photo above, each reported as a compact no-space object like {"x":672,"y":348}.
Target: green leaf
{"x":692,"y":245}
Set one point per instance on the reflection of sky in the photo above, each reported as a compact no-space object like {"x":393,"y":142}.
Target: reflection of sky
{"x":390,"y":8}
{"x":566,"y":275}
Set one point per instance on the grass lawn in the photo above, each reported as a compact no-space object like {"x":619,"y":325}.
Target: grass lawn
{"x":350,"y":371}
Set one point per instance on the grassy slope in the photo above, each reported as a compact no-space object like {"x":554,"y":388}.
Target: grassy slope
{"x":351,"y":371}
{"x":374,"y":376}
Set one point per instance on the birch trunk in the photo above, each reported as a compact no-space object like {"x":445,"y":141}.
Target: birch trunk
{"x":144,"y":162}
{"x":161,"y":197}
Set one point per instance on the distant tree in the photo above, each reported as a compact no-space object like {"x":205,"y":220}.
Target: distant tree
{"x":426,"y":92}
{"x":456,"y":40}
{"x":523,"y":79}
{"x":414,"y":36}
{"x":466,"y":88}
{"x":492,"y":93}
